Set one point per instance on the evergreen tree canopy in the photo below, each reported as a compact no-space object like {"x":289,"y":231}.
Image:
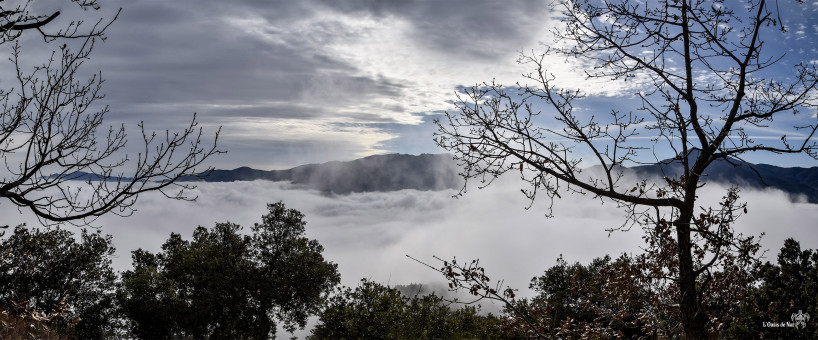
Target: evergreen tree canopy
{"x":60,"y":283}
{"x":224,"y":284}
{"x":375,"y":311}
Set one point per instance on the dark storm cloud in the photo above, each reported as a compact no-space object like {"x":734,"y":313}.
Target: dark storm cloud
{"x":166,"y":59}
{"x":190,"y":55}
{"x":258,"y":63}
{"x":467,"y":29}
{"x":282,"y":154}
{"x":170,"y":51}
{"x":492,"y":19}
{"x":254,"y":67}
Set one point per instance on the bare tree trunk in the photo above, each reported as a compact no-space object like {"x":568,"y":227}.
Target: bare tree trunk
{"x":496,"y":131}
{"x":694,"y":320}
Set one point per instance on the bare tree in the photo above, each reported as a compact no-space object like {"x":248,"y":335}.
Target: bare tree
{"x":59,"y":160}
{"x":704,"y":69}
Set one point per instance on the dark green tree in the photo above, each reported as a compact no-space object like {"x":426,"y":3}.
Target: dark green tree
{"x":57,"y":281}
{"x":294,"y":275}
{"x":604,"y":299}
{"x":627,"y":297}
{"x":784,"y":290}
{"x":148,"y":299}
{"x":224,"y":284}
{"x":375,"y":311}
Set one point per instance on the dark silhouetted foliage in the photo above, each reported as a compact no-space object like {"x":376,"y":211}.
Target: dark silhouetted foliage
{"x":54,"y":284}
{"x":53,"y":142}
{"x":782,"y":291}
{"x":621,"y":299}
{"x":702,"y":86}
{"x":375,"y":311}
{"x":224,"y":284}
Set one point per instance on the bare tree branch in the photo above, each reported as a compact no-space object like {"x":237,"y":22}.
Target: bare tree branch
{"x":59,"y":160}
{"x":699,"y":67}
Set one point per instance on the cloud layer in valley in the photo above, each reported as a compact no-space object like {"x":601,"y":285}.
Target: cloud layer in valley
{"x":369,"y":234}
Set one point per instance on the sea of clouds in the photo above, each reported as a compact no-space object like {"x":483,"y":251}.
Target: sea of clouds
{"x":369,"y":234}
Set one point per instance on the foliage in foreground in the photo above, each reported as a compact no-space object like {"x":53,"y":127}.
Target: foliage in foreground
{"x":610,"y":299}
{"x":52,"y":283}
{"x":590,"y":301}
{"x":784,"y":291}
{"x":223,"y":284}
{"x":375,"y":311}
{"x":702,"y":87}
{"x":27,"y":327}
{"x":52,"y":130}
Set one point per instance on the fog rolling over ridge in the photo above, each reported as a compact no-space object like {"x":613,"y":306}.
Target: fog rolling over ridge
{"x":392,"y":172}
{"x":369,"y":233}
{"x":370,"y":174}
{"x":799,"y":183}
{"x":385,"y":207}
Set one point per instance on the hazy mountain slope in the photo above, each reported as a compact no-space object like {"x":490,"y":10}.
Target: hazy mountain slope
{"x":373,"y":173}
{"x":438,"y":172}
{"x":795,"y":181}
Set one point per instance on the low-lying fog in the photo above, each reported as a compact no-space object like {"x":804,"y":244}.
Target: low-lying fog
{"x":369,"y":234}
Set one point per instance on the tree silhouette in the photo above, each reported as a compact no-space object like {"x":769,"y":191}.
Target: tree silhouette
{"x":56,"y":284}
{"x":703,"y":66}
{"x":782,"y":290}
{"x":375,"y":311}
{"x":224,"y":284}
{"x":52,"y":132}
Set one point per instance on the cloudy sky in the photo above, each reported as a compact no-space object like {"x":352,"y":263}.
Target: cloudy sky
{"x":294,"y":82}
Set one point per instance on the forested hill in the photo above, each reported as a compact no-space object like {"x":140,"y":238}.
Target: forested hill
{"x":439,"y":172}
{"x":794,"y":181}
{"x":374,"y":173}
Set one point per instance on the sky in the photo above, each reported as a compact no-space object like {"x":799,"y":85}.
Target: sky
{"x":296,"y":82}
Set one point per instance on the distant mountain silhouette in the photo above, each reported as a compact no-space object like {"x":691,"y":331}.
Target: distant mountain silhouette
{"x":794,"y":181}
{"x":374,"y":173}
{"x":439,"y":172}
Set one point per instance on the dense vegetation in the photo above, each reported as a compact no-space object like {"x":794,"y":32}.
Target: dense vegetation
{"x":705,"y":82}
{"x":375,"y":311}
{"x":697,"y":277}
{"x":784,"y":290}
{"x":228,"y":283}
{"x":223,"y":284}
{"x":54,"y":285}
{"x":576,"y":300}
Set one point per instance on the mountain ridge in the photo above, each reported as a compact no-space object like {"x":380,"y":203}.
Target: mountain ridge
{"x":434,"y":172}
{"x":795,"y":181}
{"x":389,"y":172}
{"x":439,"y":172}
